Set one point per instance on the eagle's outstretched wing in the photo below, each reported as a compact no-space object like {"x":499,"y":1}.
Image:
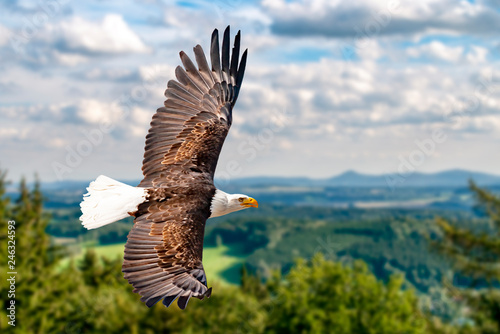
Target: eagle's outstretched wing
{"x":164,"y":251}
{"x":190,"y":129}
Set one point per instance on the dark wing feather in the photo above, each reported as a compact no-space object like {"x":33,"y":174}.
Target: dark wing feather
{"x":225,"y":55}
{"x":234,"y":58}
{"x":197,"y":114}
{"x":163,"y":254}
{"x":215,"y":56}
{"x":239,"y":75}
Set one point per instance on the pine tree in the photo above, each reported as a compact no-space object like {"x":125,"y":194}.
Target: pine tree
{"x":321,"y":296}
{"x":477,"y":256}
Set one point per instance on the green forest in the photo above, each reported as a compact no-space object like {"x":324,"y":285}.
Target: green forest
{"x":279,"y":269}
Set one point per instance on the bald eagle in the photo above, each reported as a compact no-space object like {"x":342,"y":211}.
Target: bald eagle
{"x":163,"y":253}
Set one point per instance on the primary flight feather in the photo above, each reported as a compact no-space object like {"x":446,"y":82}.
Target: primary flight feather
{"x":163,"y":254}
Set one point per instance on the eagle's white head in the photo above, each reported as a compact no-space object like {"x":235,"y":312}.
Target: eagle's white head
{"x":224,"y":203}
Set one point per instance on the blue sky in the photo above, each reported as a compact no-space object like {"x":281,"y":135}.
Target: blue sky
{"x":372,"y":86}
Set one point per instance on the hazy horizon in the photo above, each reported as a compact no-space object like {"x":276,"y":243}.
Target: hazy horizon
{"x":30,"y":178}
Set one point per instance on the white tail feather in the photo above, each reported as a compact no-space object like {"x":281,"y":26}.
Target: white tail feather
{"x":108,"y":201}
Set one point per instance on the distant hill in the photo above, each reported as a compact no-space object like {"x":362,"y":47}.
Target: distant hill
{"x":451,"y":178}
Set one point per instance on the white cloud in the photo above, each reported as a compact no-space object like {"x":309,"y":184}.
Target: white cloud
{"x":157,"y":72}
{"x":9,"y":133}
{"x":69,"y":59}
{"x":477,"y":55}
{"x":371,"y":51}
{"x":108,"y":74}
{"x":74,"y":40}
{"x":111,"y":35}
{"x":142,"y":116}
{"x":4,"y":35}
{"x":373,"y":18}
{"x":438,"y":51}
{"x":96,"y":112}
{"x":479,"y":124}
{"x":139,"y":124}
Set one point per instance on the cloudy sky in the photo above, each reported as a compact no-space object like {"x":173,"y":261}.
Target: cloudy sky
{"x":372,"y":86}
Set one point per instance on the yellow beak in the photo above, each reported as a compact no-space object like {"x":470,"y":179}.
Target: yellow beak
{"x":250,"y":203}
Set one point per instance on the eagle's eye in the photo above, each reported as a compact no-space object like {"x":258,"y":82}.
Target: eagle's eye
{"x":240,"y":199}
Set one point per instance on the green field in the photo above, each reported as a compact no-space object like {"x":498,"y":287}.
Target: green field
{"x":221,"y":263}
